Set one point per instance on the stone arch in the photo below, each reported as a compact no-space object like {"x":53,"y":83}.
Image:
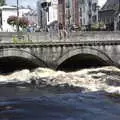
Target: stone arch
{"x":85,"y":50}
{"x":9,"y":52}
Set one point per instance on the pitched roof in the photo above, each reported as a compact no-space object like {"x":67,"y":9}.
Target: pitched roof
{"x":111,"y":5}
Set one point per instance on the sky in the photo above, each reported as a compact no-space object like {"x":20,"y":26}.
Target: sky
{"x":22,"y":2}
{"x":32,"y":3}
{"x":101,"y":2}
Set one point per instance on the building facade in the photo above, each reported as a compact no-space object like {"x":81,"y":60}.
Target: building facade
{"x":61,"y":11}
{"x":42,"y":15}
{"x":78,"y":12}
{"x":7,"y":11}
{"x":88,"y":10}
{"x":71,"y":12}
{"x":109,"y":14}
{"x":50,"y":7}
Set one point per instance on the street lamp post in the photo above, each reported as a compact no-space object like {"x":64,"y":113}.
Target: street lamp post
{"x":41,"y":16}
{"x":45,"y":6}
{"x":119,"y":16}
{"x":48,"y":5}
{"x":17,"y":15}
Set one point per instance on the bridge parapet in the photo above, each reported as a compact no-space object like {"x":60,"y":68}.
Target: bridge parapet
{"x":36,"y":37}
{"x":96,"y":36}
{"x":44,"y":51}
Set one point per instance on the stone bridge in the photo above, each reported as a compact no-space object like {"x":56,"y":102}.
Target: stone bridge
{"x":80,"y":50}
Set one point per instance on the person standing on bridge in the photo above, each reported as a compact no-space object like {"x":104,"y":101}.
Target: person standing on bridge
{"x":51,"y":31}
{"x":60,"y":31}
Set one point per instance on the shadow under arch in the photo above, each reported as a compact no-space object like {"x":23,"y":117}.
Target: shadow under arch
{"x":12,"y":59}
{"x":83,"y":53}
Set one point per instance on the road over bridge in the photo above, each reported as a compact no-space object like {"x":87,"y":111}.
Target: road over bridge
{"x":80,"y":50}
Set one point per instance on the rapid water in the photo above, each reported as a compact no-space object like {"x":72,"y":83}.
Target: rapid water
{"x":45,"y":94}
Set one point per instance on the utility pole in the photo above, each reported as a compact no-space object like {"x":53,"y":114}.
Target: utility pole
{"x":17,"y":15}
{"x":41,"y":18}
{"x":119,"y":6}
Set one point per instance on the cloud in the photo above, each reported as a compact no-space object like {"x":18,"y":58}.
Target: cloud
{"x":101,"y":2}
{"x":32,"y":3}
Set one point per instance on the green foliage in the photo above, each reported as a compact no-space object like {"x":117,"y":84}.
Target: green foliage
{"x":21,"y":21}
{"x":101,"y":25}
{"x":98,"y":26}
{"x":15,"y":40}
{"x":95,"y":26}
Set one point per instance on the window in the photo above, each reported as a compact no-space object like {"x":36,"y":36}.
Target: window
{"x":94,"y":7}
{"x":67,"y":4}
{"x":80,"y":12}
{"x":80,"y":21}
{"x":94,"y":18}
{"x":84,"y":20}
{"x":90,"y":4}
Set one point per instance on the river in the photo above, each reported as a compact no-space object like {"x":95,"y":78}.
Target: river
{"x":45,"y":94}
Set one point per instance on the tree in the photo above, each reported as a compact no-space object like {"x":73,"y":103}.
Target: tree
{"x":21,"y":21}
{"x":12,"y":20}
{"x":98,"y":26}
{"x":2,"y":2}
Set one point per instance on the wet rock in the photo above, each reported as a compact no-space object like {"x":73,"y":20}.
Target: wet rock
{"x":113,"y":81}
{"x":95,"y":77}
{"x":114,"y":97}
{"x":4,"y":108}
{"x":33,"y":82}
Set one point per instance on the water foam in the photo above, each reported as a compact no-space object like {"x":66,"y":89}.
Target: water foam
{"x":94,"y":79}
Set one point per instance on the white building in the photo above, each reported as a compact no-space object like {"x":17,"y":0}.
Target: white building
{"x":51,"y":8}
{"x":53,"y":12}
{"x":6,"y":12}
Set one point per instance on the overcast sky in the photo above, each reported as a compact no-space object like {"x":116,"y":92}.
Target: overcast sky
{"x":32,"y":3}
{"x":101,"y":2}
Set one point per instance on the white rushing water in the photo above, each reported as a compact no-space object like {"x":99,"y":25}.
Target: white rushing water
{"x":94,"y":79}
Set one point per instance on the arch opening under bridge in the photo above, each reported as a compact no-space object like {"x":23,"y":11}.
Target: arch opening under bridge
{"x":17,"y":59}
{"x":83,"y":57}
